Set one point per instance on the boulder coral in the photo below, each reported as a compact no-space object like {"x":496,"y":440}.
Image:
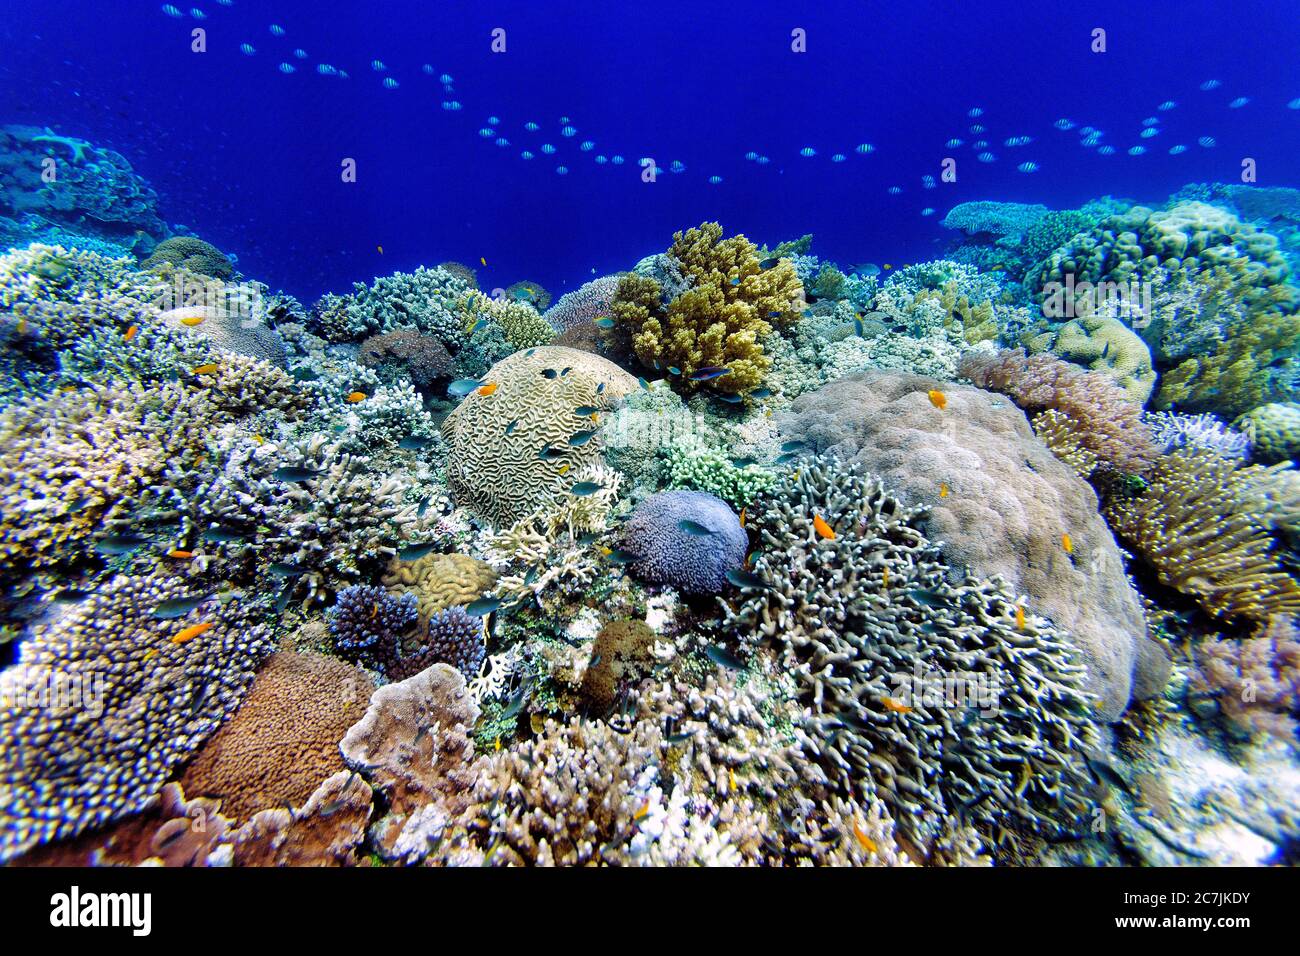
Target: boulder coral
{"x":720,"y":320}
{"x":1002,"y":504}
{"x":193,"y":254}
{"x":512,"y":449}
{"x":687,"y":539}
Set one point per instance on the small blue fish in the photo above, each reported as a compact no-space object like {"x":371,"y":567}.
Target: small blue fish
{"x":729,"y":398}
{"x":178,"y":607}
{"x":709,"y":372}
{"x":462,"y":387}
{"x":621,"y":557}
{"x":550,"y":454}
{"x":512,"y":426}
{"x":693,"y":528}
{"x":294,"y":474}
{"x":578,"y":439}
{"x":414,"y":552}
{"x":604,"y":322}
{"x":746,"y":579}
{"x":584,"y":488}
{"x":483,"y":606}
{"x":724,"y":658}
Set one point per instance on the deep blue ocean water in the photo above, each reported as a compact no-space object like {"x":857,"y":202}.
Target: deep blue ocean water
{"x":249,"y":157}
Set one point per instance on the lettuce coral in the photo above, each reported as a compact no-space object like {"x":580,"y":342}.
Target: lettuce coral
{"x":720,"y":320}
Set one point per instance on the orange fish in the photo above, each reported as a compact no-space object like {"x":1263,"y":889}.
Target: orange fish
{"x":642,"y":811}
{"x":131,"y":333}
{"x":1020,"y":616}
{"x":868,"y":844}
{"x":192,"y":320}
{"x":938,"y":399}
{"x":354,"y":397}
{"x":191,"y":632}
{"x":381,"y":249}
{"x":181,"y":555}
{"x":943,"y":489}
{"x":486,"y":390}
{"x":595,"y":416}
{"x":482,"y":260}
{"x":1067,"y":543}
{"x":897,"y":707}
{"x":207,"y":369}
{"x":822,"y":528}
{"x":742,"y":517}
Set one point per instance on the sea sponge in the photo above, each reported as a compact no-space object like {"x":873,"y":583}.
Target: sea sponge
{"x":423,"y":358}
{"x":192,"y":254}
{"x":440,"y":581}
{"x":106,"y":700}
{"x":511,"y":450}
{"x":284,"y":739}
{"x":1001,"y":503}
{"x":907,"y":673}
{"x":1273,"y":430}
{"x":1203,"y":523}
{"x":669,"y":553}
{"x":721,"y":320}
{"x":1111,"y":346}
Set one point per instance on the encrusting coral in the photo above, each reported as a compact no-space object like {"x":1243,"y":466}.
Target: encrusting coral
{"x":283,"y":740}
{"x":109,"y":698}
{"x":939,"y":696}
{"x":720,"y":320}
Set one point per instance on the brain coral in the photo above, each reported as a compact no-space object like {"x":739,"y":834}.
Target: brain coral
{"x":440,"y":581}
{"x":193,"y":254}
{"x":721,"y":320}
{"x":284,"y":739}
{"x":926,"y":689}
{"x":509,"y":449}
{"x":668,"y":553}
{"x":107,"y":699}
{"x":1111,"y":346}
{"x":1001,"y":502}
{"x":231,"y":332}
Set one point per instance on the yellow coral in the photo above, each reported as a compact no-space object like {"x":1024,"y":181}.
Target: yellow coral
{"x":720,"y":320}
{"x":1111,"y":346}
{"x":439,"y":581}
{"x":522,"y":325}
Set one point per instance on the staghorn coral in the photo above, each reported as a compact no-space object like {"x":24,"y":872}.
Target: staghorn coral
{"x":687,"y":539}
{"x":1203,"y":524}
{"x":192,"y":254}
{"x":936,"y":696}
{"x":439,"y":581}
{"x":721,"y":320}
{"x":423,"y":358}
{"x":283,"y":740}
{"x":1098,"y":411}
{"x":496,"y":442}
{"x":106,"y":700}
{"x":413,"y":745}
{"x":1256,"y":680}
{"x":1001,"y":503}
{"x":1273,"y":430}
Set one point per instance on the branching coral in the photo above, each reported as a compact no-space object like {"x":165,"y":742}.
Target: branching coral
{"x":369,"y":626}
{"x":717,"y":475}
{"x":936,"y":697}
{"x":1203,"y":523}
{"x":522,"y":325}
{"x":108,"y":699}
{"x":431,"y":301}
{"x":283,"y":741}
{"x":1098,"y":412}
{"x":721,"y":320}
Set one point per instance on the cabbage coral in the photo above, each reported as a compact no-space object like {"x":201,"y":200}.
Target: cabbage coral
{"x":1203,"y":523}
{"x":720,"y":320}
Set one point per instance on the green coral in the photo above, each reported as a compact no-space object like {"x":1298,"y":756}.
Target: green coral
{"x":1273,"y":429}
{"x":720,"y":320}
{"x":715,"y":474}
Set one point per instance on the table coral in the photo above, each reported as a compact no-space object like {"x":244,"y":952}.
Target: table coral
{"x":1001,"y":503}
{"x":283,"y":740}
{"x":513,"y":449}
{"x":721,"y":320}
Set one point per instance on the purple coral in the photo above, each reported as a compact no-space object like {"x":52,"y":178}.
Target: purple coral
{"x":455,"y":638}
{"x":368,"y":625}
{"x":584,"y":305}
{"x":688,"y":539}
{"x":1172,"y":430}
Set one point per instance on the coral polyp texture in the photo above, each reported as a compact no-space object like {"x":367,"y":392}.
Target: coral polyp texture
{"x":732,"y":554}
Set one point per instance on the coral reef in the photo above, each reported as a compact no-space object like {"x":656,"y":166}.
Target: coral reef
{"x":1255,"y":680}
{"x":716,"y":475}
{"x":891,"y":658}
{"x":455,"y":638}
{"x":430,"y":301}
{"x":283,"y":740}
{"x":1002,"y":505}
{"x":1109,"y":345}
{"x":720,"y":321}
{"x":1273,"y":431}
{"x":1171,"y":431}
{"x":620,"y":652}
{"x":512,"y":449}
{"x":369,"y":626}
{"x":439,"y":581}
{"x":422,"y":358}
{"x":108,"y":699}
{"x":688,"y":539}
{"x":193,"y":255}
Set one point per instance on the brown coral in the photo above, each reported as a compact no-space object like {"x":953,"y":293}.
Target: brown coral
{"x":619,"y":648}
{"x":1103,"y":419}
{"x":283,"y":740}
{"x":422,"y":357}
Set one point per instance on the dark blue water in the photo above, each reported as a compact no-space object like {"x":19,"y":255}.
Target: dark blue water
{"x":249,"y":158}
